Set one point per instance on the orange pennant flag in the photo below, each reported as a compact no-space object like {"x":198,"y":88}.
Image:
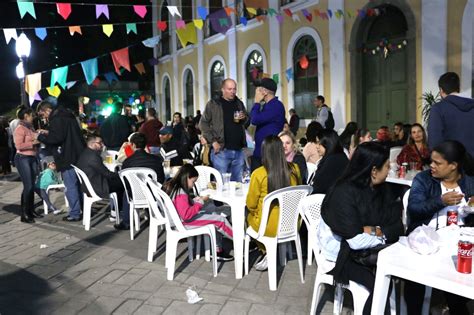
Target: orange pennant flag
{"x":121,"y":59}
{"x":75,"y":29}
{"x":261,"y":18}
{"x":229,"y":11}
{"x":140,"y":68}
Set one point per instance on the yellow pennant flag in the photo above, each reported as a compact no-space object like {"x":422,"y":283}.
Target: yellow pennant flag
{"x":252,"y":11}
{"x":55,"y":91}
{"x":187,"y":35}
{"x":198,"y":23}
{"x":75,"y":29}
{"x":108,"y":29}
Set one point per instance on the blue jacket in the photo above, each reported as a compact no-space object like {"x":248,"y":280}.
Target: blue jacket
{"x":452,"y":119}
{"x":425,"y":197}
{"x":269,"y":121}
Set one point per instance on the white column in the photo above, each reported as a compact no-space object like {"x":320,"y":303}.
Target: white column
{"x":232,"y":45}
{"x":174,"y":75}
{"x":433,"y":43}
{"x":337,"y":65}
{"x":155,"y":14}
{"x":275,"y":46}
{"x":467,"y":70}
{"x":200,"y":67}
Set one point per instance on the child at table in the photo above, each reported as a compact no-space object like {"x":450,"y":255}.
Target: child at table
{"x":198,"y":210}
{"x":46,"y":178}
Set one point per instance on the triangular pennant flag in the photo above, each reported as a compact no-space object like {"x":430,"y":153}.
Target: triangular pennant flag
{"x":131,"y":28}
{"x":9,"y":34}
{"x":101,"y":9}
{"x":59,"y":75}
{"x":110,"y":77}
{"x":70,"y":84}
{"x":276,"y":78}
{"x":295,"y":17}
{"x":173,"y":10}
{"x":120,"y":58}
{"x":324,"y":16}
{"x":75,"y":29}
{"x":330,"y":13}
{"x":217,"y":21}
{"x":288,"y":12}
{"x":153,"y":61}
{"x":33,"y":85}
{"x":162,"y":25}
{"x":64,"y":9}
{"x":307,"y":15}
{"x":108,"y":29}
{"x":280,"y":18}
{"x":198,"y":23}
{"x":289,"y":74}
{"x":140,"y":10}
{"x":140,"y":68}
{"x":26,"y":7}
{"x":96,"y":82}
{"x":252,"y":11}
{"x":180,"y":24}
{"x":54,"y":91}
{"x":317,"y":13}
{"x":349,"y":14}
{"x":304,"y":63}
{"x":243,"y":20}
{"x":202,"y":11}
{"x":187,"y":35}
{"x":41,"y":32}
{"x":152,"y":41}
{"x":90,"y":69}
{"x":261,"y":18}
{"x":223,"y":22}
{"x":271,"y":11}
{"x":36,"y":98}
{"x":229,"y":10}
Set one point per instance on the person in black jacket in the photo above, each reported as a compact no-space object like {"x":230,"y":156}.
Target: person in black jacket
{"x":115,"y":129}
{"x":67,"y":143}
{"x":332,"y":164}
{"x":292,"y":154}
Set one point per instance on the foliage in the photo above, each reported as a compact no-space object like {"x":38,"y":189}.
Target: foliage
{"x":428,"y":99}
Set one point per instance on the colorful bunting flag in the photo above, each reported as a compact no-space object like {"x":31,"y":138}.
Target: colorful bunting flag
{"x":280,"y":18}
{"x":131,"y":28}
{"x":9,"y":34}
{"x":223,"y":22}
{"x":75,"y":29}
{"x":229,"y":10}
{"x":180,"y":24}
{"x":276,"y":78}
{"x":140,"y":68}
{"x":33,"y":85}
{"x":101,"y":9}
{"x":26,"y":7}
{"x":59,"y":75}
{"x":41,"y":32}
{"x":295,"y":17}
{"x":252,"y":11}
{"x":151,"y":42}
{"x":217,"y":23}
{"x":140,"y":10}
{"x":307,"y":15}
{"x":162,"y":25}
{"x":173,"y":10}
{"x":90,"y":69}
{"x":121,"y":59}
{"x":96,"y":83}
{"x":70,"y":84}
{"x":271,"y":11}
{"x":108,"y":29}
{"x":288,"y":12}
{"x":64,"y":9}
{"x":110,"y":77}
{"x":203,"y":13}
{"x":198,"y":23}
{"x":243,"y":20}
{"x":37,"y":98}
{"x":153,"y":61}
{"x":289,"y":74}
{"x":187,"y":35}
{"x":54,"y":91}
{"x":330,"y":13}
{"x":261,"y":18}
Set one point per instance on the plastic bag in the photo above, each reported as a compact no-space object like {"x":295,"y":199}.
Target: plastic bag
{"x":193,"y":297}
{"x":424,"y":240}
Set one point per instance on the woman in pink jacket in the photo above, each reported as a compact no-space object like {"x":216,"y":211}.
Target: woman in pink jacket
{"x":26,"y":162}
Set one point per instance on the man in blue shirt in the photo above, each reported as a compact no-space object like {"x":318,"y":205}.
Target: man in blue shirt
{"x":268,"y":115}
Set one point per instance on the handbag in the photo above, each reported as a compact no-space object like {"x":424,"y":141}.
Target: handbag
{"x":367,"y":257}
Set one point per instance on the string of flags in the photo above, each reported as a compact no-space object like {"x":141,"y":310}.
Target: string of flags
{"x":385,"y":47}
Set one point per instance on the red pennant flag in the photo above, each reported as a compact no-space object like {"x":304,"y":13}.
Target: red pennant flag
{"x":96,"y":83}
{"x":309,"y":17}
{"x":120,"y":58}
{"x":288,"y":12}
{"x":317,"y":13}
{"x":64,"y":9}
{"x":304,"y":63}
{"x":162,"y":25}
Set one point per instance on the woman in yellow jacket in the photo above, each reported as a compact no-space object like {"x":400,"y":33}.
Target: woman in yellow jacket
{"x":275,"y":173}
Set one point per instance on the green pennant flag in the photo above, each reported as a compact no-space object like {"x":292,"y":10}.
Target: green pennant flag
{"x":132,"y":27}
{"x":223,"y":22}
{"x":272,"y":11}
{"x":276,"y":78}
{"x":59,"y":75}
{"x":26,"y":7}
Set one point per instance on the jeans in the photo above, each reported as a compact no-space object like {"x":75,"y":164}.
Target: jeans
{"x":73,"y":192}
{"x":229,"y":161}
{"x":44,"y":195}
{"x":27,"y":166}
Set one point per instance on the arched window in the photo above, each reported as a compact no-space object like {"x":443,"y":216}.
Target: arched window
{"x":165,"y":36}
{"x":189,"y":93}
{"x":167,"y":94}
{"x":254,"y":70}
{"x":305,"y":67}
{"x":217,"y":76}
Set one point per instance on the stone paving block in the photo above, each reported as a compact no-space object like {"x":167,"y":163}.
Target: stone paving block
{"x":235,"y":308}
{"x":71,"y":307}
{"x":147,"y":309}
{"x":213,"y":297}
{"x":209,"y":309}
{"x":255,"y":295}
{"x":197,"y":281}
{"x":151,"y":282}
{"x":138,"y":295}
{"x":128,"y":307}
{"x":138,"y":271}
{"x":221,"y":288}
{"x":103,"y":305}
{"x":158,"y":300}
{"x":259,"y":309}
{"x":128,"y":279}
{"x":179,"y":307}
{"x":302,"y":310}
{"x":113,"y":275}
{"x":107,"y":289}
{"x":173,"y":292}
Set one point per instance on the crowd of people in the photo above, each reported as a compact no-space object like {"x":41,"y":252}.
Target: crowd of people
{"x":359,"y":211}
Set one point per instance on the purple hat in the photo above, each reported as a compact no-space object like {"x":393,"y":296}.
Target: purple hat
{"x":166,"y":130}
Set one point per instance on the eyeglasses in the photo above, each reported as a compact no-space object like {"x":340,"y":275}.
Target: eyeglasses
{"x":99,"y":142}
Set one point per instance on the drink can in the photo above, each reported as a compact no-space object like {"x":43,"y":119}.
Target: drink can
{"x":464,"y":256}
{"x":403,"y":171}
{"x":452,"y":217}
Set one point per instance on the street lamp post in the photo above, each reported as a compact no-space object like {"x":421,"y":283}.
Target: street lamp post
{"x":23,"y":48}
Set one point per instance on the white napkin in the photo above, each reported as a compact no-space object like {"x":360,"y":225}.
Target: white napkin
{"x":193,"y":297}
{"x":424,"y":240}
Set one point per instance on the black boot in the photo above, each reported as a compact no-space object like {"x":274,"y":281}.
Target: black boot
{"x":29,"y":208}
{"x":24,"y":217}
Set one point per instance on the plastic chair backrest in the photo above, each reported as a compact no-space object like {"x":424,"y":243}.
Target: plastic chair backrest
{"x":405,"y":208}
{"x":84,"y":180}
{"x":312,"y":167}
{"x":171,"y":214}
{"x":131,"y":179}
{"x":154,"y":200}
{"x":394,"y":152}
{"x":204,"y":178}
{"x":310,"y":210}
{"x":113,"y":153}
{"x":288,"y":201}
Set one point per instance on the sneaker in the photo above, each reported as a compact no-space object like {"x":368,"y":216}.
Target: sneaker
{"x":58,"y":211}
{"x":262,"y":265}
{"x":70,"y":219}
{"x":112,"y":218}
{"x":121,"y":227}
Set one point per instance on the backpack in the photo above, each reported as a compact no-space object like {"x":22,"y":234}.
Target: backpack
{"x":329,"y":124}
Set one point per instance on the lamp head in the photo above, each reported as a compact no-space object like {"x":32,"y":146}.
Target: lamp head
{"x":23,"y":46}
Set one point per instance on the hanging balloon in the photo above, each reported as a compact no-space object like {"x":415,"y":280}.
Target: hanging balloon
{"x":304,"y":63}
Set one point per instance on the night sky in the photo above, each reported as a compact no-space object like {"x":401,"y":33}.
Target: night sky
{"x":60,"y":48}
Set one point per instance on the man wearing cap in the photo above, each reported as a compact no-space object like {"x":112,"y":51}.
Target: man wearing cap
{"x":223,"y":125}
{"x":170,"y":143}
{"x":268,"y":115}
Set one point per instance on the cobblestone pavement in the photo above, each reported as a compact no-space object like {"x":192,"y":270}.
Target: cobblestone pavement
{"x":53,"y":267}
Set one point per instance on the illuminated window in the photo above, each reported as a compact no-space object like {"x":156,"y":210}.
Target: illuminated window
{"x":217,"y":76}
{"x":189,"y":93}
{"x":254,"y":71}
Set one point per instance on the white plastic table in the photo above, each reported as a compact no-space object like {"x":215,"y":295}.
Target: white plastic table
{"x":237,"y":203}
{"x":400,"y":181}
{"x":437,"y":270}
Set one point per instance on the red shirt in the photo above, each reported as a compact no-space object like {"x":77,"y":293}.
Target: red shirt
{"x":151,"y":129}
{"x":409,"y":154}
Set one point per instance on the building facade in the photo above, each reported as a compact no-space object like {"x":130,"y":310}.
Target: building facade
{"x":372,"y":60}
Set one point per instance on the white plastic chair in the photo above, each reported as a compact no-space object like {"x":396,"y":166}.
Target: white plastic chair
{"x":405,"y":207}
{"x":175,"y":230}
{"x":131,"y":179}
{"x":394,"y":152}
{"x":44,"y":164}
{"x":205,"y":173}
{"x":310,"y":211}
{"x":312,"y":168}
{"x":90,"y":196}
{"x":113,"y":153}
{"x":287,"y":230}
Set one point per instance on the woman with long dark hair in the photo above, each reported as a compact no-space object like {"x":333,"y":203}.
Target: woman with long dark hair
{"x":361,"y":135}
{"x":449,"y":184}
{"x":346,"y":135}
{"x":26,"y":162}
{"x":310,"y":151}
{"x":275,"y":173}
{"x":333,"y":162}
{"x":293,"y":154}
{"x":359,"y":214}
{"x":416,"y":150}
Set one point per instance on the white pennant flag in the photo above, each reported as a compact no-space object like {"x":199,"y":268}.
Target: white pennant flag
{"x":174,"y":10}
{"x":70,"y":84}
{"x":9,"y":34}
{"x":152,"y":41}
{"x":295,"y":17}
